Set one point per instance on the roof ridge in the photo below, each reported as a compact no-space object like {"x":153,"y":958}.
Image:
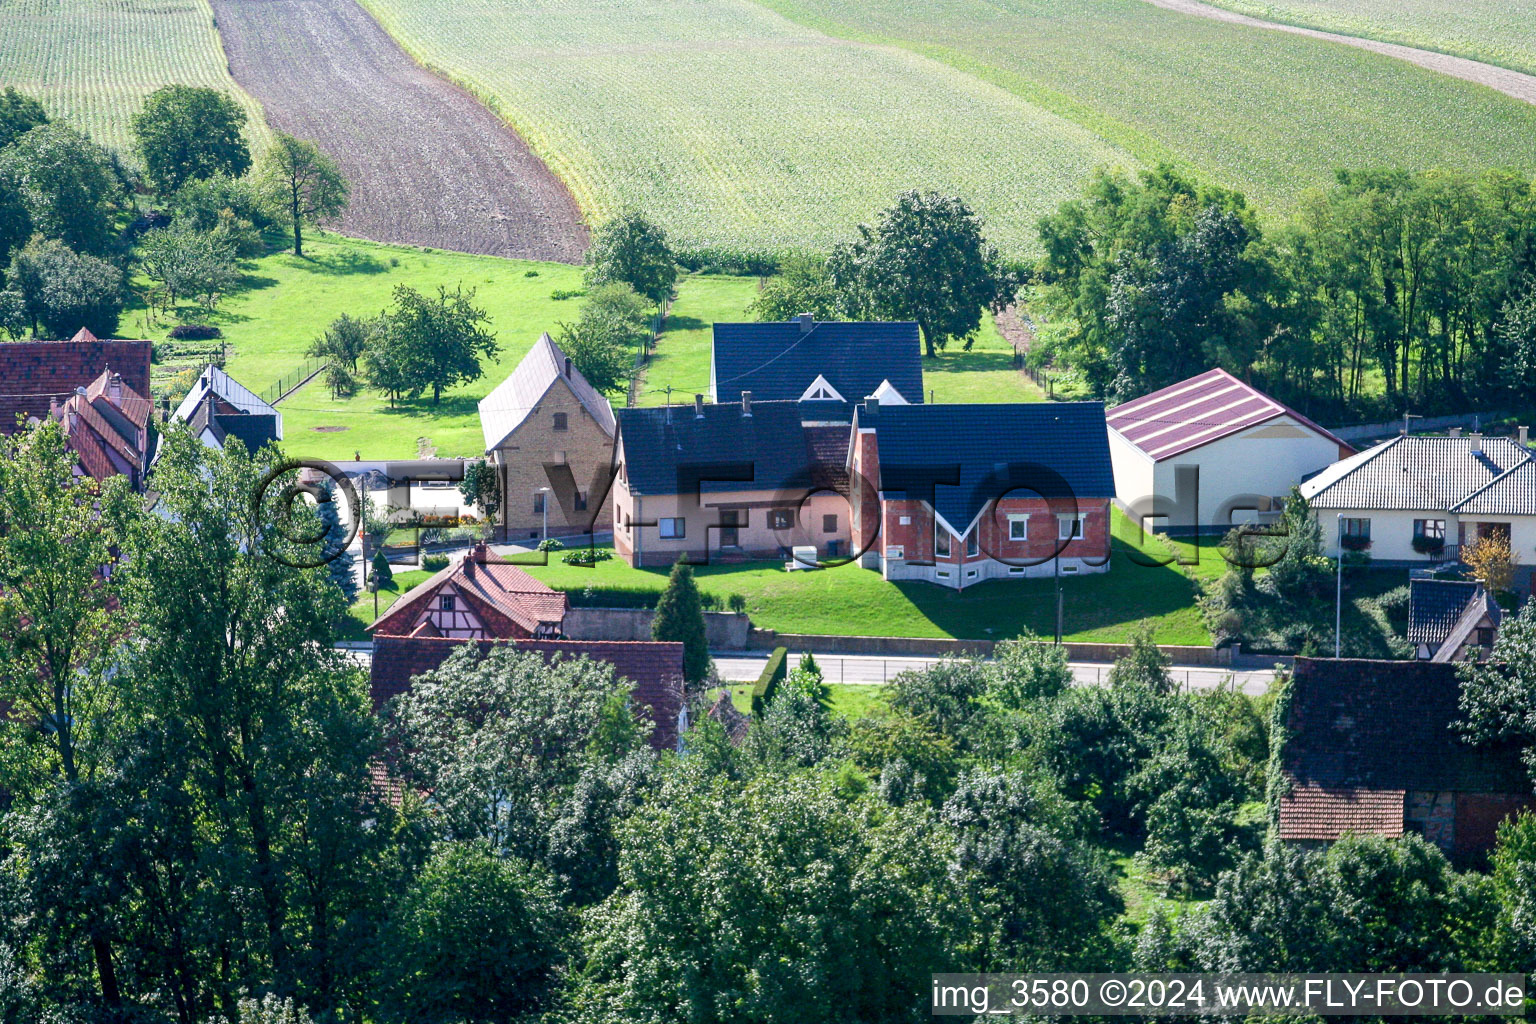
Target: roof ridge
{"x":1514,"y":468}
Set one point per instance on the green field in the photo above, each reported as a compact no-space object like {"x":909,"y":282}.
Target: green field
{"x":737,"y":127}
{"x":1501,"y":32}
{"x":681,"y":360}
{"x":288,"y":301}
{"x":94,"y":61}
{"x":1266,"y":112}
{"x":1103,"y":607}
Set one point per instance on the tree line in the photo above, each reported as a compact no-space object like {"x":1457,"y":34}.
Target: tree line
{"x":205,"y":820}
{"x":77,"y":221}
{"x":1390,"y":291}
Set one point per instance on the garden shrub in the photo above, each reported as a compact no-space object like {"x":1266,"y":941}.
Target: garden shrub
{"x":195,"y":332}
{"x":773,"y":674}
{"x":434,"y":563}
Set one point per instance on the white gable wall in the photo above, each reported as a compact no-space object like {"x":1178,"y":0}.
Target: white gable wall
{"x":1246,"y":468}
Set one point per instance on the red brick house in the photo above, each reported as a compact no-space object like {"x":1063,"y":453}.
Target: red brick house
{"x":36,"y":374}
{"x":959,"y":494}
{"x":1370,"y":746}
{"x":478,"y":597}
{"x":654,"y":668}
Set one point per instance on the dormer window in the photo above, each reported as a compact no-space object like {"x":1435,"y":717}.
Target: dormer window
{"x":821,"y":390}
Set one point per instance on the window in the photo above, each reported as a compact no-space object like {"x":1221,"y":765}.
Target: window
{"x":1428,"y":529}
{"x":1070,"y":527}
{"x":829,"y":523}
{"x":1015,"y":570}
{"x":581,"y":501}
{"x":780,"y":519}
{"x":1484,"y":636}
{"x":970,"y":574}
{"x":904,"y":520}
{"x":445,"y":602}
{"x":971,"y":545}
{"x":560,"y":457}
{"x":731,"y":521}
{"x":560,"y":421}
{"x":1018,"y":527}
{"x":673,"y":528}
{"x":940,"y":541}
{"x":895,"y":552}
{"x":1357,"y":528}
{"x":538,"y":503}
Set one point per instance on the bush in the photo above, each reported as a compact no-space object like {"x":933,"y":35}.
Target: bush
{"x":586,"y":556}
{"x":767,"y":684}
{"x":551,"y":544}
{"x":740,"y":262}
{"x":194,"y":332}
{"x":1428,"y":545}
{"x":434,"y":563}
{"x":737,"y":603}
{"x":530,"y":273}
{"x":561,"y":294}
{"x":1354,"y":542}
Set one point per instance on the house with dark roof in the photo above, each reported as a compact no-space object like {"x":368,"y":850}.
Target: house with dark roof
{"x":1452,"y":620}
{"x":35,"y":375}
{"x":1212,"y":451}
{"x":729,"y":482}
{"x":219,"y":408}
{"x":549,"y":433}
{"x":1026,"y":493}
{"x":1371,"y":747}
{"x":830,"y":366}
{"x":107,"y":426}
{"x":654,"y":668}
{"x":1419,"y":500}
{"x":478,"y":597}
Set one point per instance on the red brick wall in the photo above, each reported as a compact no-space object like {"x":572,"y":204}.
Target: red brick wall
{"x":916,"y":538}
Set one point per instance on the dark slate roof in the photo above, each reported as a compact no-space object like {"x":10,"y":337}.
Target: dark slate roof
{"x":1433,"y":473}
{"x":1434,"y":606}
{"x":34,"y":372}
{"x":667,"y":450}
{"x":655,"y":667}
{"x":1197,"y":411}
{"x":779,"y":360}
{"x":1047,"y":449}
{"x":1387,"y":725}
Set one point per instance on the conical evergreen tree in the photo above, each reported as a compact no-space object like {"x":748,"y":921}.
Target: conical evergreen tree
{"x":680,"y":617}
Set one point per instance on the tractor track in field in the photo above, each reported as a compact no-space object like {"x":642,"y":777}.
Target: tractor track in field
{"x":427,"y":163}
{"x":1511,"y":83}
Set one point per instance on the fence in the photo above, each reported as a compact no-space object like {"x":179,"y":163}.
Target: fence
{"x":294,"y":379}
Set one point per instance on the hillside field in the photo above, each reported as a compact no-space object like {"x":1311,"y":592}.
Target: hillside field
{"x":1269,"y":113}
{"x":1501,"y":32}
{"x":94,"y":61}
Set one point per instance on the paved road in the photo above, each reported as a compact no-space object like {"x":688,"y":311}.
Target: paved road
{"x":874,"y":670}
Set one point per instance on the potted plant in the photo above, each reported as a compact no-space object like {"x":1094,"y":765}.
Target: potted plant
{"x":1355,"y":542}
{"x":1433,"y":546}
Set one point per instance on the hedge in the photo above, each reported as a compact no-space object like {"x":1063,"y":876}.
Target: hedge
{"x":767,"y":683}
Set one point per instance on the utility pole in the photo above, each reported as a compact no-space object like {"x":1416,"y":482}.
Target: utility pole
{"x":1338,"y":587}
{"x":544,"y":509}
{"x":1056,"y":572}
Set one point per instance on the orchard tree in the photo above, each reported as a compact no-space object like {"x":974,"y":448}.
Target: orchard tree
{"x":927,"y":260}
{"x":680,"y":618}
{"x":19,"y":114}
{"x":67,"y":185}
{"x":603,"y":340}
{"x":802,"y":285}
{"x":189,"y":263}
{"x":186,"y":132}
{"x":632,"y":250}
{"x":307,"y":183}
{"x":62,"y":290}
{"x":439,"y":340}
{"x":345,"y":340}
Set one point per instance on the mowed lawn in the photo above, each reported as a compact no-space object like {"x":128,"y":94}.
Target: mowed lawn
{"x":681,"y":360}
{"x":287,"y":302}
{"x":361,"y":615}
{"x":1104,"y":607}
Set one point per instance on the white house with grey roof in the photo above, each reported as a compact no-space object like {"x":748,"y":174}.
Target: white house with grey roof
{"x":1421,"y":500}
{"x":549,"y":434}
{"x":219,"y":407}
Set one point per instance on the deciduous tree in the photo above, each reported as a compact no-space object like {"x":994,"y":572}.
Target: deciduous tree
{"x":307,"y":182}
{"x":63,"y":290}
{"x":603,"y":340}
{"x":632,"y":250}
{"x":186,"y":132}
{"x":67,"y":185}
{"x":19,"y":114}
{"x":433,"y":342}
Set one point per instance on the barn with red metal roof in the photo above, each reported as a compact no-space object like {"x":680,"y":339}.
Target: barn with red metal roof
{"x":1212,"y":451}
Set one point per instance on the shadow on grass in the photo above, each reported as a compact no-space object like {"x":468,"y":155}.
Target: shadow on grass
{"x":684,"y":323}
{"x":343,"y":263}
{"x":424,"y":408}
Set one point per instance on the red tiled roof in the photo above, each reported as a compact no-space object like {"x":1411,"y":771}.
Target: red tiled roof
{"x":1195,"y":412}
{"x":33,"y":372}
{"x":1317,"y":812}
{"x":654,"y":667}
{"x":98,"y":424}
{"x":509,"y":601}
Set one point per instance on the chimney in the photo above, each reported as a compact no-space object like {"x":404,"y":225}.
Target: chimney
{"x":746,"y":403}
{"x":1455,"y":431}
{"x":1523,"y":436}
{"x":1476,"y":437}
{"x":806,"y":321}
{"x":115,"y":388}
{"x":567,"y":366}
{"x":698,"y":407}
{"x":871,"y":406}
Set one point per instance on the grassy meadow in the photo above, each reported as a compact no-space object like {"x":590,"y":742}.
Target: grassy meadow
{"x":93,"y":61}
{"x":1501,"y":32}
{"x":1269,"y":113}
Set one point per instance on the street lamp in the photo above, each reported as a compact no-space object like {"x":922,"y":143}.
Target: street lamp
{"x":1338,"y":588}
{"x":544,"y":508}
